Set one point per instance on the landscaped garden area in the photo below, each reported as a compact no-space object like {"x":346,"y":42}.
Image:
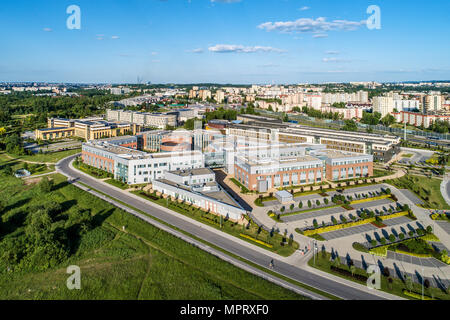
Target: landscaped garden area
{"x":363,"y":217}
{"x":440,"y":216}
{"x":92,"y":171}
{"x":428,"y":190}
{"x":338,"y":200}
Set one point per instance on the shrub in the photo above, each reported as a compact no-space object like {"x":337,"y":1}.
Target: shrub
{"x":373,"y":243}
{"x":292,"y":207}
{"x":402,"y":236}
{"x":309,"y":204}
{"x":326,"y":201}
{"x":45,"y":185}
{"x":318,"y":203}
{"x":282,"y":209}
{"x":383,"y":240}
{"x":316,"y":225}
{"x":300,"y":205}
{"x":392,"y":238}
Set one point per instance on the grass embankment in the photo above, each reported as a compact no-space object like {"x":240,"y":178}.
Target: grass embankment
{"x":393,"y":286}
{"x":141,"y":263}
{"x":272,"y":241}
{"x":428,"y":190}
{"x":378,"y":173}
{"x":118,"y":184}
{"x":92,"y":171}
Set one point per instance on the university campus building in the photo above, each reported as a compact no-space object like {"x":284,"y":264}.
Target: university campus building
{"x":199,"y":187}
{"x":88,"y":129}
{"x":137,"y":167}
{"x":382,"y":147}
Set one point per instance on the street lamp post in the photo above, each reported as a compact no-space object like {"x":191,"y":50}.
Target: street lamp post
{"x":314,"y":251}
{"x":423,"y":280}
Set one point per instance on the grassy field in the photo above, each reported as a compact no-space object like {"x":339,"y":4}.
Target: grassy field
{"x":141,"y":263}
{"x":53,"y":157}
{"x":396,"y":287}
{"x":16,"y":164}
{"x":429,"y":190}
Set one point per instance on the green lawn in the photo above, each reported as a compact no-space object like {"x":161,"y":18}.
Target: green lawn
{"x":408,"y":155}
{"x":429,"y":190}
{"x":17,"y":164}
{"x":118,"y":184}
{"x":309,"y":210}
{"x":141,"y":263}
{"x":52,"y":157}
{"x":396,"y":287}
{"x":378,"y":173}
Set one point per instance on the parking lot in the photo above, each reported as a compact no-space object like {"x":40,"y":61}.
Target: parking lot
{"x":363,"y":229}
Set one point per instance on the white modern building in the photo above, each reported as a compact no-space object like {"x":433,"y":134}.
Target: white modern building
{"x":136,"y":167}
{"x":199,"y":187}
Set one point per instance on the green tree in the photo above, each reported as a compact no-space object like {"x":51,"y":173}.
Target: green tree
{"x":388,"y":120}
{"x":352,"y":269}
{"x":45,"y":185}
{"x":350,"y":125}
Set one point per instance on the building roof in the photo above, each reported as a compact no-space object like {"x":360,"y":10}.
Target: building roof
{"x":192,"y":172}
{"x":283,"y":194}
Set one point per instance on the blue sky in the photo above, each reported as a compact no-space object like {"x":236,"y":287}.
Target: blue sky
{"x":224,"y":41}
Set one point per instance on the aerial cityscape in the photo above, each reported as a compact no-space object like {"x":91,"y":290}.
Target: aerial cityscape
{"x":225,"y":150}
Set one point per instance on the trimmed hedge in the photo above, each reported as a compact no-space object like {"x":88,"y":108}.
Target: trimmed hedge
{"x":256,"y":240}
{"x":349,"y":274}
{"x":352,"y":224}
{"x":417,"y":295}
{"x":371,"y":199}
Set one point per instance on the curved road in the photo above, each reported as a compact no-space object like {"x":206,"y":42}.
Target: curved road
{"x":337,"y":288}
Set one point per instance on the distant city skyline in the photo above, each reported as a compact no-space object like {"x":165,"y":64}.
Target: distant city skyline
{"x":224,"y":42}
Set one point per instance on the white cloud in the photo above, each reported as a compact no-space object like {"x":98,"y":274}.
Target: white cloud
{"x":115,"y":37}
{"x":334,"y":60}
{"x":332,"y":52}
{"x":198,"y":50}
{"x":231,"y":48}
{"x":304,"y":8}
{"x":318,"y":25}
{"x":320,"y":35}
{"x":47,"y":29}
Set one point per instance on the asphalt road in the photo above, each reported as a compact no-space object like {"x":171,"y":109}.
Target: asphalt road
{"x":328,"y":285}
